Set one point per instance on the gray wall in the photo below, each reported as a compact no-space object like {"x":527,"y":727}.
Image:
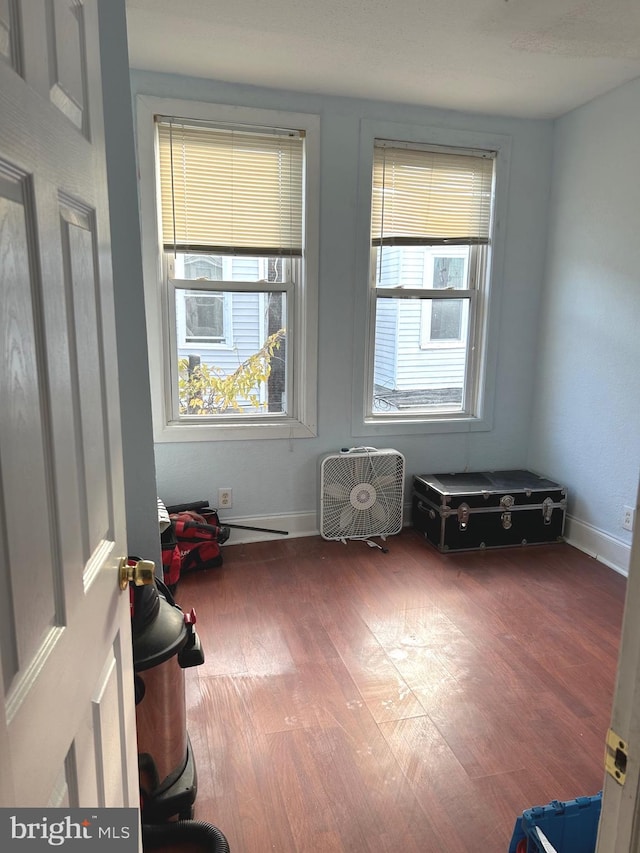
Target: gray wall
{"x":280,"y":476}
{"x":586,"y":414}
{"x":135,"y":401}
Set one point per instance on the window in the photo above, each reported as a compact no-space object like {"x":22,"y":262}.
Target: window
{"x":232,"y":193}
{"x":430,"y":238}
{"x":230,"y":357}
{"x":445,"y":321}
{"x":202,"y":316}
{"x":232,"y":313}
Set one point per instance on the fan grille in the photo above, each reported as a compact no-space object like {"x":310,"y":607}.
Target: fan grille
{"x":361,"y":494}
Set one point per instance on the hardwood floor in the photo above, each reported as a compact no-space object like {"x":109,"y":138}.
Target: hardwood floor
{"x":358,"y":701}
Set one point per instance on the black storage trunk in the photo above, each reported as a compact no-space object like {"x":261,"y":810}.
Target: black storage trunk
{"x":487,"y":509}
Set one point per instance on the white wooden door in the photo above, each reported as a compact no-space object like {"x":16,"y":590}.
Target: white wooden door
{"x":67,"y":722}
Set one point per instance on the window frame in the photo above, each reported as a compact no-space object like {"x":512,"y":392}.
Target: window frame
{"x":302,"y":298}
{"x":173,"y":284}
{"x":483,"y":320}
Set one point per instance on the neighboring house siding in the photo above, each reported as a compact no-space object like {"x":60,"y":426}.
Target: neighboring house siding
{"x":245,"y":331}
{"x":435,"y":366}
{"x":244,"y":269}
{"x":387,"y":273}
{"x":386,"y":348}
{"x":412,"y":260}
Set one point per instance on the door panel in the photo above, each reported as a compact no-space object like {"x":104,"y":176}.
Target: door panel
{"x":67,"y":722}
{"x":108,"y":747}
{"x":23,"y":439}
{"x":81,"y":287}
{"x":66,"y":51}
{"x":9,"y":33}
{"x":60,"y":794}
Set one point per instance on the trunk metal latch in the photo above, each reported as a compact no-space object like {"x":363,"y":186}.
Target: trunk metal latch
{"x":506,"y":502}
{"x":547,"y":510}
{"x":463,"y":516}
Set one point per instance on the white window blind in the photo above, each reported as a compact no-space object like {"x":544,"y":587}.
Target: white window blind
{"x":430,"y":198}
{"x":230,"y":191}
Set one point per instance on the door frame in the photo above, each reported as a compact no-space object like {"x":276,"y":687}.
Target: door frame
{"x":619,"y":828}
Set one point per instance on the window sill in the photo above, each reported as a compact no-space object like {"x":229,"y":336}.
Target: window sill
{"x":423,"y":426}
{"x":440,"y":345}
{"x":179,"y":432}
{"x":208,"y":346}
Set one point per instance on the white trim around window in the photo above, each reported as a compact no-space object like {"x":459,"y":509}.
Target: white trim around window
{"x":302,"y":420}
{"x":486,"y":314}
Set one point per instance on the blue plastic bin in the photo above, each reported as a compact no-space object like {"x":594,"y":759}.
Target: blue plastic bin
{"x":571,"y":826}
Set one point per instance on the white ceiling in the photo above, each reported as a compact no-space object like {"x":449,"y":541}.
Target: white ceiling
{"x":530,"y":58}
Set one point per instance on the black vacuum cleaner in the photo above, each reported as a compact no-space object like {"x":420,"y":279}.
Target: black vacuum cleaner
{"x":165,"y":643}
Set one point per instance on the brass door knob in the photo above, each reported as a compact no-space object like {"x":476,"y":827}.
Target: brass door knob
{"x":139,"y":573}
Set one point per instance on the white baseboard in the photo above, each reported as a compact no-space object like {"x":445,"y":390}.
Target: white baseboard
{"x":295,"y":524}
{"x":604,"y":547}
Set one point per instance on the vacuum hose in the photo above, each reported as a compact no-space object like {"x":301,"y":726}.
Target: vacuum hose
{"x":199,"y":832}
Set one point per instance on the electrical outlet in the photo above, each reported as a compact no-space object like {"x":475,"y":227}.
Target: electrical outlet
{"x":225,"y":498}
{"x":628,"y":517}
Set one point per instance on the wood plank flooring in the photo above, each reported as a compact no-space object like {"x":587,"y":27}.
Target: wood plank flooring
{"x":355,"y":701}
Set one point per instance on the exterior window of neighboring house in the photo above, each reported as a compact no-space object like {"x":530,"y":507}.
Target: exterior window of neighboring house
{"x":206,"y":319}
{"x":430,"y":239}
{"x":445,"y":321}
{"x":238,"y":241}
